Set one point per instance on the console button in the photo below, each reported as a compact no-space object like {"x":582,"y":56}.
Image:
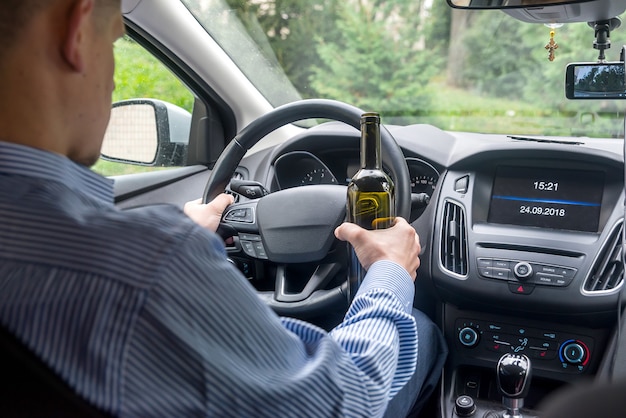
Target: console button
{"x":502,"y":264}
{"x":568,"y":273}
{"x":548,"y":269}
{"x":461,"y":184}
{"x":500,"y":274}
{"x":522,"y":270}
{"x":486,"y":272}
{"x":484,"y":262}
{"x":546,"y":279}
{"x":498,"y":346}
{"x":542,"y":354}
{"x":564,"y":281}
{"x":521,"y":288}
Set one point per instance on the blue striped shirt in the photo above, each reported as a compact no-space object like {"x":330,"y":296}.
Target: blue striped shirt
{"x":141,"y":313}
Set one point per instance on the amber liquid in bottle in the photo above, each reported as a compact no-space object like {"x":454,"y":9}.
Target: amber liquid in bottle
{"x":371,"y":195}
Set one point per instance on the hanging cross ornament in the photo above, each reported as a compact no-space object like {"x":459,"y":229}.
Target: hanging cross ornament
{"x":551,"y":46}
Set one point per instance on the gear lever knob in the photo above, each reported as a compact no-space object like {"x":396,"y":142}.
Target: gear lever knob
{"x":513,"y":378}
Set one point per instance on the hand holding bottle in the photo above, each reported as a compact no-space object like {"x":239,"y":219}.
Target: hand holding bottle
{"x":399,"y":244}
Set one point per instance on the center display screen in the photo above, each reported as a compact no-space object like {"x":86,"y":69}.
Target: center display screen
{"x":547,"y":198}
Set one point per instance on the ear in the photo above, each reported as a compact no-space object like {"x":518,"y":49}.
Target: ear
{"x":74,"y":42}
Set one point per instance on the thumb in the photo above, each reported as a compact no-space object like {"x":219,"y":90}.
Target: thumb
{"x":347,"y":231}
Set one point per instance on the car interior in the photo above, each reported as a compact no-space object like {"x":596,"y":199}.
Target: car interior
{"x":522,"y":235}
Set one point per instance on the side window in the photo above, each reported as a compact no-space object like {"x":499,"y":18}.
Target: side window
{"x":138,"y":74}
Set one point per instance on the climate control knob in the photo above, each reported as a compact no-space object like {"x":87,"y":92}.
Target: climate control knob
{"x":573,"y":352}
{"x":469,"y":337}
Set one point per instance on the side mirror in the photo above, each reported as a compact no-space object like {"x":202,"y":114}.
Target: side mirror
{"x":147,"y":132}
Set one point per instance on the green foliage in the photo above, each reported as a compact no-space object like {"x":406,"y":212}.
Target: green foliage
{"x":139,"y":74}
{"x":290,"y":27}
{"x":437,"y":26}
{"x":377,"y":63}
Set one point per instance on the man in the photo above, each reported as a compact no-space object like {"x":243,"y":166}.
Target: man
{"x":139,"y":311}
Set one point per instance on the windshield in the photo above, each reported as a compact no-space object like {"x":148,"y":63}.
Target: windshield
{"x":416,"y":62}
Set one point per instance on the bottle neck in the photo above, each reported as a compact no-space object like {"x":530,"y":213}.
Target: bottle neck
{"x":370,"y":145}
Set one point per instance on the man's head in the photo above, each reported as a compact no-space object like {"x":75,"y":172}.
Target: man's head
{"x":56,"y":73}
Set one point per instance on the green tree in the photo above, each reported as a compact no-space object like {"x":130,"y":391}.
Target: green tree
{"x":437,"y":26}
{"x":139,"y":74}
{"x":290,"y":27}
{"x":377,"y":63}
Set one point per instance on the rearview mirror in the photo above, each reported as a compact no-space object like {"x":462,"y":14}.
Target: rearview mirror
{"x":549,"y":11}
{"x":147,"y":132}
{"x":507,"y":4}
{"x":594,"y":80}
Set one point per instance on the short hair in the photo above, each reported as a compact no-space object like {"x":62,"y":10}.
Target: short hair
{"x":16,"y":14}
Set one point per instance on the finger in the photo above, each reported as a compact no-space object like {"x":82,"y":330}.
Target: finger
{"x":221,"y":201}
{"x":399,"y":220}
{"x":346,"y":231}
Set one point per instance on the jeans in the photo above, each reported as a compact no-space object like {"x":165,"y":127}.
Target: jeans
{"x":431,"y":356}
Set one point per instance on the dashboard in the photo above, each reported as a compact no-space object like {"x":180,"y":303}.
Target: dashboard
{"x":521,"y":242}
{"x":509,"y":225}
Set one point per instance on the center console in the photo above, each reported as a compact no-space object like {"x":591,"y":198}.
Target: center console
{"x":560,"y":354}
{"x":527,"y":259}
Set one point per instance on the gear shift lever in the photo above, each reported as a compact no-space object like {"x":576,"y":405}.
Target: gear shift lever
{"x":513,"y":377}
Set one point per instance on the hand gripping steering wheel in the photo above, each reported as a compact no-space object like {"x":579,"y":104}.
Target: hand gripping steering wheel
{"x":296,"y":226}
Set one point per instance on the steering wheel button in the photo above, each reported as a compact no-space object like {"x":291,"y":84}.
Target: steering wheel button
{"x":250,"y":237}
{"x":259,"y":250}
{"x":240,"y":215}
{"x":248,"y":248}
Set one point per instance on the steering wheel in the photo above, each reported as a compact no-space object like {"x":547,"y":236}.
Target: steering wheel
{"x":296,"y":225}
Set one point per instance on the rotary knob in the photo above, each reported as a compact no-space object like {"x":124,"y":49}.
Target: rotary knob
{"x":469,"y":337}
{"x":573,"y":352}
{"x":522,"y":270}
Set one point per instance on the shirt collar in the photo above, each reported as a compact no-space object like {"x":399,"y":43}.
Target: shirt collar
{"x":22,"y":160}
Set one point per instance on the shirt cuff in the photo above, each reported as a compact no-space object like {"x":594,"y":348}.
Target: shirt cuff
{"x":392,"y":277}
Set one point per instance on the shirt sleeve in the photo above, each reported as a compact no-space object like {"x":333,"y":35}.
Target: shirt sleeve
{"x":204,"y":344}
{"x":379,"y":336}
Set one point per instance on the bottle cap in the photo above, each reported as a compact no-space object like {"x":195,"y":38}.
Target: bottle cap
{"x":370,"y":117}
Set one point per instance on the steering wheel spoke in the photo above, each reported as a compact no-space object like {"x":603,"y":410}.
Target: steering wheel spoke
{"x":320,"y":278}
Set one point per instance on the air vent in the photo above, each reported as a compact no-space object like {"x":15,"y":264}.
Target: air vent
{"x":608,"y":270}
{"x":454,"y":239}
{"x":544,"y":140}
